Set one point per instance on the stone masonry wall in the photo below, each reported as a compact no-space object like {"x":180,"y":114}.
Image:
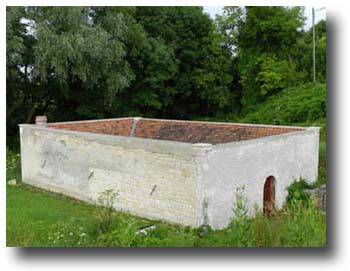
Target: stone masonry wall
{"x":153,"y":179}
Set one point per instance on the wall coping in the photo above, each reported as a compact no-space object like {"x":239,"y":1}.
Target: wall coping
{"x":175,"y":120}
{"x":268,"y":139}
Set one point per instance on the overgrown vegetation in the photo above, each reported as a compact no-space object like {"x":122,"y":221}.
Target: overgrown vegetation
{"x":289,"y":107}
{"x":304,"y":105}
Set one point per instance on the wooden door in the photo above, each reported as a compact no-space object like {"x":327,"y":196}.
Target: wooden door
{"x":269,"y":196}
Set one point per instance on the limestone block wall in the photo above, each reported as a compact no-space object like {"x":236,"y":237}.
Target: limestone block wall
{"x":154,"y":179}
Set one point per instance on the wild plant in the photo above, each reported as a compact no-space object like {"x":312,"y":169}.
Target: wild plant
{"x":105,"y":210}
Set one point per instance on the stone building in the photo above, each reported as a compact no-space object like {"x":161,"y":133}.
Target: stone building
{"x":183,"y":172}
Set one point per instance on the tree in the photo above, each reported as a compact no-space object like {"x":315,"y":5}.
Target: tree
{"x":152,"y":62}
{"x":94,"y":62}
{"x":303,"y":54}
{"x":262,"y":39}
{"x":19,"y":62}
{"x":228,"y":26}
{"x":87,"y":61}
{"x":190,"y":34}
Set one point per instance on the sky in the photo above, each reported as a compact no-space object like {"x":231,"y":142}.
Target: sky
{"x":320,"y":15}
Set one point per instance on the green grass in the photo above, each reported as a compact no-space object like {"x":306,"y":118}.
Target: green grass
{"x":31,"y":214}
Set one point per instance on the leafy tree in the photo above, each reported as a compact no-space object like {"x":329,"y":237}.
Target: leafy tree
{"x":229,"y":26}
{"x":213,"y":79}
{"x":151,"y":61}
{"x":95,"y":62}
{"x":21,"y":97}
{"x":14,"y":39}
{"x":262,"y":39}
{"x":303,"y":54}
{"x":191,"y":35}
{"x":268,"y":34}
{"x":87,"y":61}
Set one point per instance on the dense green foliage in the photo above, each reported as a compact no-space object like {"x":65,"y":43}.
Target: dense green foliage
{"x":271,"y":50}
{"x":94,"y":62}
{"x":36,"y":218}
{"x":266,"y":40}
{"x":304,"y":105}
{"x":288,"y":107}
{"x":80,"y":62}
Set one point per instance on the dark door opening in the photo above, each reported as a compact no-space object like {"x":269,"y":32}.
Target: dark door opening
{"x":269,"y":196}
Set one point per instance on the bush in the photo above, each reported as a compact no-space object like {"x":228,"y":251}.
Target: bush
{"x":296,"y":192}
{"x":302,"y":226}
{"x":122,"y":235}
{"x":240,"y":224}
{"x":105,"y":210}
{"x":13,"y":165}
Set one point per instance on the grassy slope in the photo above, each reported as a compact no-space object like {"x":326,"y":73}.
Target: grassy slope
{"x":38,"y":218}
{"x":304,"y":105}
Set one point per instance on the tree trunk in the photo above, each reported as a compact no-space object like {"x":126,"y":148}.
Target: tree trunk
{"x":31,"y":113}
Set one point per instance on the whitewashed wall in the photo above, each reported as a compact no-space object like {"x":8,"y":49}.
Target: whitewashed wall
{"x":247,"y":164}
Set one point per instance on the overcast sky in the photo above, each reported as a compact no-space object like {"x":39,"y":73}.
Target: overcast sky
{"x":213,"y":10}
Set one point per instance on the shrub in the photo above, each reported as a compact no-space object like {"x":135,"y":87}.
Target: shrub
{"x":302,"y":226}
{"x":122,"y":235}
{"x":240,"y":223}
{"x":296,"y":192}
{"x":105,"y":210}
{"x":13,"y":165}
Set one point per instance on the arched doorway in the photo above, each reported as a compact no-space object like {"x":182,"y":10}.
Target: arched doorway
{"x":269,"y":196}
